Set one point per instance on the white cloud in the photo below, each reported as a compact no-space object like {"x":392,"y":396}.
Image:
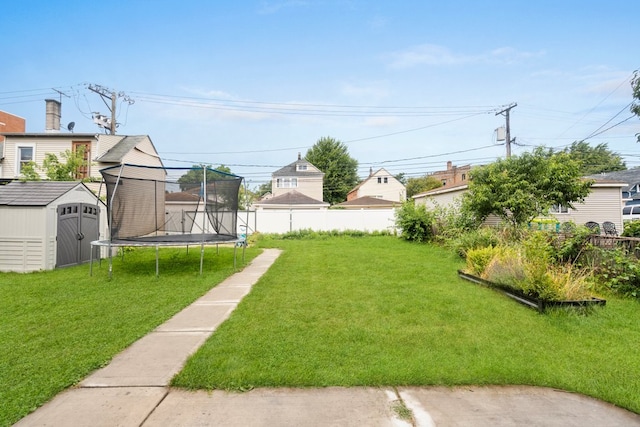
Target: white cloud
{"x":431,"y":54}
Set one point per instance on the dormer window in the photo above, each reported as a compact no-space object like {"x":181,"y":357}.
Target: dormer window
{"x":301,"y":167}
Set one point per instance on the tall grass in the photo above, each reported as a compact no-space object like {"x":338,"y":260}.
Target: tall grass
{"x":380,"y":311}
{"x":58,"y":326}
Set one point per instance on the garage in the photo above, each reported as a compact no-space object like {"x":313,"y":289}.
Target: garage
{"x":48,"y":224}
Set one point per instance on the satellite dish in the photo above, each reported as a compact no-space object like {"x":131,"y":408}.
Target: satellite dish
{"x":70,"y":126}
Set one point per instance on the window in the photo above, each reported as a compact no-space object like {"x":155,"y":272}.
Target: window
{"x":25,"y":155}
{"x":286,"y":182}
{"x":559,"y":209}
{"x":444,"y":182}
{"x":379,"y":180}
{"x":386,"y":180}
{"x":301,"y":167}
{"x":464,"y":176}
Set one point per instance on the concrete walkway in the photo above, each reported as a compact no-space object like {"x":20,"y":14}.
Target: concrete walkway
{"x":133,"y":389}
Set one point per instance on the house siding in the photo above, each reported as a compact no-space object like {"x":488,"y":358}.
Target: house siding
{"x":310,"y":186}
{"x":392,"y":190}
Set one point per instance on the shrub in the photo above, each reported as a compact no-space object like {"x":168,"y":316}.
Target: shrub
{"x":505,"y":268}
{"x":618,"y":272}
{"x":415,"y":222}
{"x":479,"y":238}
{"x":478,"y":259}
{"x":631,"y":229}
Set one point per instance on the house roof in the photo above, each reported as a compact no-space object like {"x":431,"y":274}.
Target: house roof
{"x":34,"y":193}
{"x":116,"y":153}
{"x":292,"y":197}
{"x":441,"y":190}
{"x":292,"y":169}
{"x":629,"y":176}
{"x":368,"y":202}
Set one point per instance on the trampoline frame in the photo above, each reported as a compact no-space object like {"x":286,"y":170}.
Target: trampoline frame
{"x":183,"y":240}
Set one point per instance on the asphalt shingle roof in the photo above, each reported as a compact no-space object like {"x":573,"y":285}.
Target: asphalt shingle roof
{"x":292,"y":198}
{"x":34,"y":193}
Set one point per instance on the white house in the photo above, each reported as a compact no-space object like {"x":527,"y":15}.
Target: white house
{"x":379,"y":185}
{"x":48,"y":224}
{"x":604,"y":203}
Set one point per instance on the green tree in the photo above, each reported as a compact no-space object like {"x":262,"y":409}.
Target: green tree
{"x":194,"y":176}
{"x":263,"y":189}
{"x":29,"y":172}
{"x":420,"y":185}
{"x":635,"y":105}
{"x":340,"y":169}
{"x":517,"y":189}
{"x":595,"y":159}
{"x":68,"y":170}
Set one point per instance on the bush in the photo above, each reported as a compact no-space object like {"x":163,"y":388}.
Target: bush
{"x":479,"y":238}
{"x":415,"y":222}
{"x":631,"y":229}
{"x":618,"y":272}
{"x":478,"y":259}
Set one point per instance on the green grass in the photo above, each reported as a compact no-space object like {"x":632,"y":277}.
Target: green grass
{"x":58,"y":326}
{"x":379,"y":311}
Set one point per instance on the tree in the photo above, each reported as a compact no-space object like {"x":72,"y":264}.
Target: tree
{"x":596,"y":159}
{"x":67,"y":170}
{"x":519,"y":188}
{"x":420,"y":185}
{"x":340,"y":169}
{"x":635,"y":105}
{"x":195,"y":175}
{"x":263,"y":189}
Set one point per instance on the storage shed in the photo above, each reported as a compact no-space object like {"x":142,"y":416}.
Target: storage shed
{"x":48,"y":224}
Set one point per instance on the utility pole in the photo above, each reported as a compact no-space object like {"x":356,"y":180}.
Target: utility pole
{"x":113,"y":95}
{"x":508,"y":139}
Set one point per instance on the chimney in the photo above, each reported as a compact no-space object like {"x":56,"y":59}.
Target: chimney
{"x":299,"y":156}
{"x":53,"y":109}
{"x":370,"y":170}
{"x":449,"y":165}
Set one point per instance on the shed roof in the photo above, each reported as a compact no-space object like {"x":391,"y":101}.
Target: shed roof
{"x":368,"y":201}
{"x":34,"y":193}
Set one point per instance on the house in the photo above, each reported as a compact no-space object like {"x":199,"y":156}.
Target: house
{"x":100,"y":150}
{"x":48,"y":224}
{"x":453,"y":176}
{"x":602,"y":204}
{"x":630,"y":192}
{"x":300,"y":176}
{"x":379,"y":185}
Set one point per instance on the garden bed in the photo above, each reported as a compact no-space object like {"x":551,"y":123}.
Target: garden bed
{"x":532,"y":302}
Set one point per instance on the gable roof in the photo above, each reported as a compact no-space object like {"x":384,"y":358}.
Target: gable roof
{"x":35,"y":193}
{"x":292,"y":197}
{"x":116,"y":153}
{"x":374,"y":175}
{"x":292,"y":169}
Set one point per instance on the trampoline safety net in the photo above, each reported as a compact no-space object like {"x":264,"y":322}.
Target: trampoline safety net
{"x":162,"y":204}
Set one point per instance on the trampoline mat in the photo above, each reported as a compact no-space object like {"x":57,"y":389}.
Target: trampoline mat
{"x":171,"y":239}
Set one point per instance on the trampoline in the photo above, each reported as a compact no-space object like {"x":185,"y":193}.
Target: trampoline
{"x":141,"y":213}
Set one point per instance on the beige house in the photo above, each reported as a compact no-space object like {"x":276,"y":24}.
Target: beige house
{"x":100,"y":151}
{"x":299,"y":176}
{"x":379,"y":185}
{"x":604,"y":203}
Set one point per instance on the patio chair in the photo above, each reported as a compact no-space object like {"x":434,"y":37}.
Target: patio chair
{"x":593,"y":226}
{"x":609,"y":228}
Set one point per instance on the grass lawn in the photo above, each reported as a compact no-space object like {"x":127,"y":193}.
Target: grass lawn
{"x":379,"y":311}
{"x":58,"y":326}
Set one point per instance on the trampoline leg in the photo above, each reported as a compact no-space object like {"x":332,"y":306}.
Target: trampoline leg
{"x":201,"y":257}
{"x":235,"y":249}
{"x":91,"y":262}
{"x":157,"y":267}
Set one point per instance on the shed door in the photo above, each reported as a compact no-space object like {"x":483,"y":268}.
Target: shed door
{"x":77,"y":228}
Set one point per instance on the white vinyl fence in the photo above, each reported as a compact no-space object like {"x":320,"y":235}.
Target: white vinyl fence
{"x":283,"y":221}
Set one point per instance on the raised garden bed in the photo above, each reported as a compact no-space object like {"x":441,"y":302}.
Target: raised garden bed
{"x":521,"y":297}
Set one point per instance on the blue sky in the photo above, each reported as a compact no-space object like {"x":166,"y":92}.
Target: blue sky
{"x":406,"y":85}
